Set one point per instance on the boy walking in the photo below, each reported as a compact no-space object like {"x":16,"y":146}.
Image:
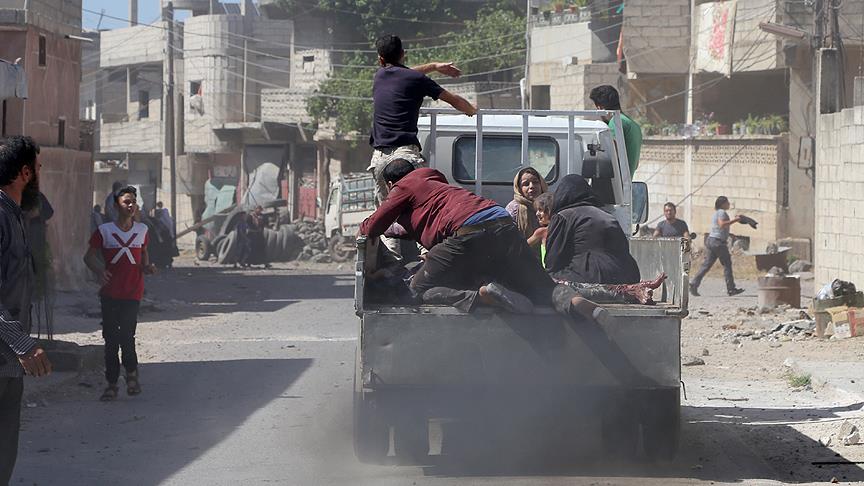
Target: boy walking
{"x":118,"y":254}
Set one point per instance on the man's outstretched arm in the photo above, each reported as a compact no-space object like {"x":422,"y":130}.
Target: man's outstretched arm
{"x":458,"y":102}
{"x":445,"y":68}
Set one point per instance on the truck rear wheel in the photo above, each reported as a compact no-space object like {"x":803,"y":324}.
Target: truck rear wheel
{"x":620,"y":432}
{"x":371,"y":431}
{"x":661,"y":424}
{"x":411,"y":439}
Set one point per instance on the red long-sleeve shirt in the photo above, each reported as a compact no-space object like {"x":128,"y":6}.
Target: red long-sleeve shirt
{"x":427,"y":207}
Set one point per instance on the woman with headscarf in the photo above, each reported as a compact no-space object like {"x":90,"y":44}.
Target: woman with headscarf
{"x":527,"y":186}
{"x":586,"y":244}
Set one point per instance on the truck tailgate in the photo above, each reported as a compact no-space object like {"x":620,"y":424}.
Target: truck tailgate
{"x":436,"y":346}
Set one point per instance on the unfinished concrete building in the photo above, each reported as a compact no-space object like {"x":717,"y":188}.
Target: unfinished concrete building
{"x":571,"y":52}
{"x":36,"y":32}
{"x":225,"y":54}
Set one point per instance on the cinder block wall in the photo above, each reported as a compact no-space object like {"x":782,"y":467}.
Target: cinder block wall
{"x":752,"y":181}
{"x":839,"y":244}
{"x":570,"y":84}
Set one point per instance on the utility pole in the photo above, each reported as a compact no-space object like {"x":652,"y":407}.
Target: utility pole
{"x":168,"y":105}
{"x":526,"y":89}
{"x":688,"y":114}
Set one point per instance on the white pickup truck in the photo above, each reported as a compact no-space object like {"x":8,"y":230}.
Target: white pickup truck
{"x":430,"y":363}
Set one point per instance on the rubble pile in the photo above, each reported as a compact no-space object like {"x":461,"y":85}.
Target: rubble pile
{"x":774,"y":325}
{"x":315,"y":244}
{"x":847,"y":434}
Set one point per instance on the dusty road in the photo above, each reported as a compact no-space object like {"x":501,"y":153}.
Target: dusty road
{"x":247,"y":380}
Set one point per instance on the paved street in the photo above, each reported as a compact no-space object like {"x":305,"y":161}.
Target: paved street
{"x":247,"y":380}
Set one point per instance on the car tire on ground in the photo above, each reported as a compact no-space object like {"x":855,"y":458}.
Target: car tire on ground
{"x":271,"y":251}
{"x":228,"y":249}
{"x":203,"y":249}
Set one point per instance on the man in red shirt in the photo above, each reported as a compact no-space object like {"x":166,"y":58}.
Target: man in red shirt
{"x":476,"y":253}
{"x":118,"y":254}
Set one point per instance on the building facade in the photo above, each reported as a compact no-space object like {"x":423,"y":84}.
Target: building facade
{"x":36,"y":32}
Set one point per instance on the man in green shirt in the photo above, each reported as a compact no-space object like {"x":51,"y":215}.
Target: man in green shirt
{"x":605,"y":97}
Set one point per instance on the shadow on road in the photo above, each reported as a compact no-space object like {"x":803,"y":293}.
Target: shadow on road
{"x":187,"y":293}
{"x":186,"y":410}
{"x":718,"y":444}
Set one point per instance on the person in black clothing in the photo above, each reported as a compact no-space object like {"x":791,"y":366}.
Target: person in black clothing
{"x":586,"y":244}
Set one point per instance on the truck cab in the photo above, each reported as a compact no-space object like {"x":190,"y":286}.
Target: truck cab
{"x":554,"y":143}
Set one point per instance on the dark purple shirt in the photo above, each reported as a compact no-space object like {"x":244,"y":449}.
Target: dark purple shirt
{"x":398,"y":93}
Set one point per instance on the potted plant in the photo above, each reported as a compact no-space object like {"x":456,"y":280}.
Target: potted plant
{"x":722,"y":129}
{"x":573,"y":8}
{"x":751,"y":125}
{"x":584,"y":10}
{"x":558,"y":6}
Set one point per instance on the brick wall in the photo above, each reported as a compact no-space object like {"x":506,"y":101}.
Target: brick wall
{"x":657,"y":37}
{"x":571,"y":84}
{"x":839,"y":244}
{"x":752,"y":181}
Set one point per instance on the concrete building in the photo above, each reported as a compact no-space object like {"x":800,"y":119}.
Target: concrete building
{"x":225,"y":55}
{"x":36,"y":33}
{"x":571,"y":52}
{"x":753,"y":118}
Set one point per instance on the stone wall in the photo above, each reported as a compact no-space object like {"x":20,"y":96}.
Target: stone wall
{"x":839,"y":244}
{"x":752,"y":180}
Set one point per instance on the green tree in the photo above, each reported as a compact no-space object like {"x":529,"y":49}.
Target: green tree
{"x":492,"y":42}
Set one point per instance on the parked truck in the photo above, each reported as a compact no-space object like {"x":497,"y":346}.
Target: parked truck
{"x":351,"y":200}
{"x":420,"y":363}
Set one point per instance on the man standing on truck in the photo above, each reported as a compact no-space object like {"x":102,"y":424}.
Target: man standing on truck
{"x":398,"y":93}
{"x":606,"y":97}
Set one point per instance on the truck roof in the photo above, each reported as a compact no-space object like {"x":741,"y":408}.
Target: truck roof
{"x":510,"y":123}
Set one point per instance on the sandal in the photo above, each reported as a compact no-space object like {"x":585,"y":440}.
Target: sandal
{"x":133,"y":387}
{"x":110,"y":394}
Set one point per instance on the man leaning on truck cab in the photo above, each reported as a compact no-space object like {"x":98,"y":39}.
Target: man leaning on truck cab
{"x":470,"y":240}
{"x":398,"y":93}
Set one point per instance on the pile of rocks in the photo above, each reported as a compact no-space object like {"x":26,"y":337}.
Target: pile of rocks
{"x":774,"y":325}
{"x":847,"y":434}
{"x":315,"y":244}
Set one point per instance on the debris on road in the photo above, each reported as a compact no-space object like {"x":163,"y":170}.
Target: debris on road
{"x":692,"y":361}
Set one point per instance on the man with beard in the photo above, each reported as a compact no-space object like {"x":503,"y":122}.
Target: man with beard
{"x":19,"y":353}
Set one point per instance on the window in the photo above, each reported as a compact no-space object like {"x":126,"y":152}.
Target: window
{"x":540,"y":97}
{"x":308,"y":64}
{"x":143,"y":104}
{"x":61,"y":132}
{"x":43,"y":50}
{"x":194,"y":88}
{"x":502,"y":158}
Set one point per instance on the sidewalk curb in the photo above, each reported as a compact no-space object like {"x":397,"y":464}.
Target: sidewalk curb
{"x":833,"y":375}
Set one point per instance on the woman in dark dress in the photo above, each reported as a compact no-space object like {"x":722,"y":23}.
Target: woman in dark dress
{"x":586,"y":244}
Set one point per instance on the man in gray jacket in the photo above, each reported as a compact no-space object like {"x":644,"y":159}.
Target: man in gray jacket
{"x":19,"y":353}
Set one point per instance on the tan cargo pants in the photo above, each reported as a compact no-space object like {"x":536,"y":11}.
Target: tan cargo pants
{"x":380,"y":159}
